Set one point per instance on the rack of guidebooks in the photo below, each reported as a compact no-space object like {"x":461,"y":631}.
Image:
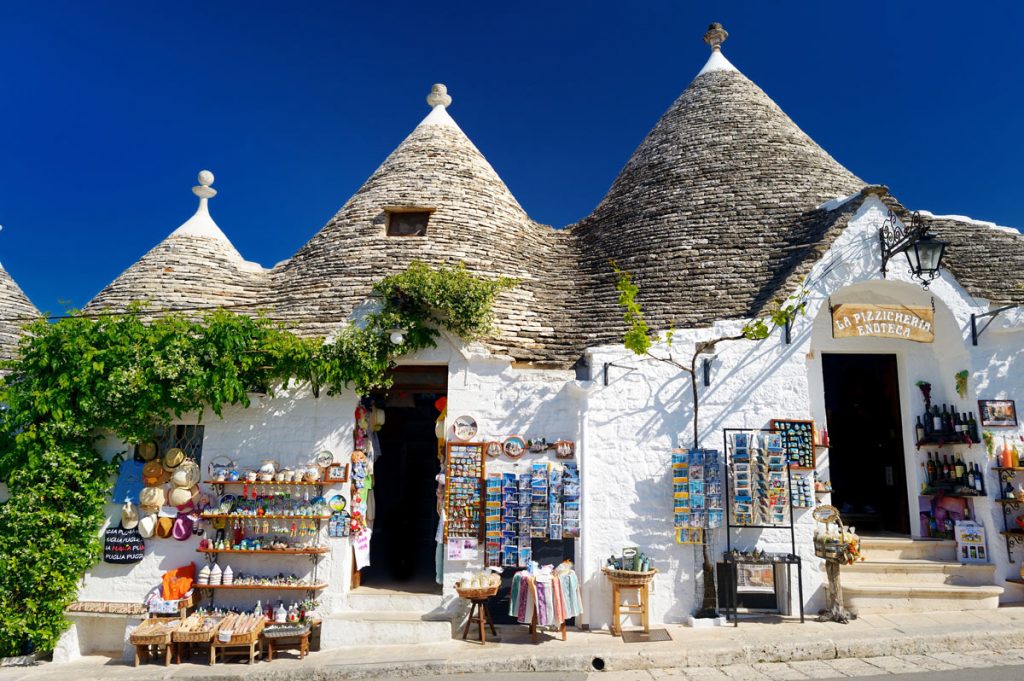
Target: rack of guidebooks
{"x":696,"y":493}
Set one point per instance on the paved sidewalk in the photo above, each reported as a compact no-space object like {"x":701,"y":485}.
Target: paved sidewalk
{"x":811,"y":650}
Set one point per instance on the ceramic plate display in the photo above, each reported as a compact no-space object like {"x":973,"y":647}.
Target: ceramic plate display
{"x":324,"y":459}
{"x":493,"y":449}
{"x":337,"y":503}
{"x":464,"y":428}
{"x":514,"y":446}
{"x":565,"y":449}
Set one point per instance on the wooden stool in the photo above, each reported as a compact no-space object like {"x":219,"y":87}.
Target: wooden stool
{"x":144,"y":652}
{"x":235,"y":649}
{"x":619,"y":608}
{"x":482,"y":617}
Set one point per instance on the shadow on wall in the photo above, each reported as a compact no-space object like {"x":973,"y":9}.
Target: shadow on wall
{"x":654,"y":534}
{"x":668,"y":392}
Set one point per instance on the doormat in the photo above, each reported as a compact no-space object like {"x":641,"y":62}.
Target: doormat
{"x":645,"y":637}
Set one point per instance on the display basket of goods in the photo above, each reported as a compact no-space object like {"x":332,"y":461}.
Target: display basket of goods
{"x":150,"y":635}
{"x":839,"y":544}
{"x":196,"y":628}
{"x":629,"y":577}
{"x":286,"y":630}
{"x":238,"y":629}
{"x":479,"y":586}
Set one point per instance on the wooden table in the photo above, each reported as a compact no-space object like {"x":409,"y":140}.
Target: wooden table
{"x":291,"y":640}
{"x":482,"y":617}
{"x":233,"y":649}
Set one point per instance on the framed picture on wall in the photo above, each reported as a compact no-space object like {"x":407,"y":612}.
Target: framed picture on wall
{"x":336,"y":472}
{"x":997,"y":413}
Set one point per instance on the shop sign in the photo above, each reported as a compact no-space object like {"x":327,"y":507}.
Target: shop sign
{"x":851,"y":320}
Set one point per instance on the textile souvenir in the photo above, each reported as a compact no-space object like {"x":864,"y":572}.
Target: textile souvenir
{"x":129,"y":516}
{"x":123,"y":546}
{"x":178,"y":582}
{"x":152,"y":498}
{"x":182,"y":528}
{"x":173,"y":458}
{"x":145,"y":451}
{"x":153,"y":474}
{"x":129,"y":482}
{"x":147,"y":526}
{"x":186,"y":475}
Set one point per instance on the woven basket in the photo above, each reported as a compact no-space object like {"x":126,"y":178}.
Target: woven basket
{"x":629,"y":577}
{"x":190,"y":632}
{"x":237,"y":639}
{"x":153,"y":632}
{"x":477,"y":594}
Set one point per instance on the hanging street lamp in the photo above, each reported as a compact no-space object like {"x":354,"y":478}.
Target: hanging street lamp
{"x":924,"y":252}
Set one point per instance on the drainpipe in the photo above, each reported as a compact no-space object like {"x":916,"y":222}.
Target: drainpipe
{"x":582,"y":390}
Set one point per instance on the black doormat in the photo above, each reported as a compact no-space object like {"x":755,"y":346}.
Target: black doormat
{"x":644,"y":637}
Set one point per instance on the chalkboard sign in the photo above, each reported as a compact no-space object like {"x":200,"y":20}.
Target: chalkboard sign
{"x":123,"y":546}
{"x":797,"y":441}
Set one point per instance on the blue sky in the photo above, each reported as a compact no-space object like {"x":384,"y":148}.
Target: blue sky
{"x":111,"y":108}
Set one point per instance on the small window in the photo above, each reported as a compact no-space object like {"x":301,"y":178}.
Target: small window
{"x":189,"y":438}
{"x":408,"y":222}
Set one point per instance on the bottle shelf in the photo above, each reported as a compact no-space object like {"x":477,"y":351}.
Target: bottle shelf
{"x":269,"y":587}
{"x":317,"y":483}
{"x":247,"y":516}
{"x":943,"y":442}
{"x":1015,"y":580}
{"x":1009,"y":501}
{"x":283,"y":552}
{"x":1003,"y":468}
{"x":1012,"y":533}
{"x":950,"y":494}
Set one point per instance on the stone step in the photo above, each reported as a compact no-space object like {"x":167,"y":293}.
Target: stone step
{"x":384,"y":600}
{"x":361,"y":628}
{"x":885,"y":549}
{"x":882,"y":598}
{"x":917,"y":572}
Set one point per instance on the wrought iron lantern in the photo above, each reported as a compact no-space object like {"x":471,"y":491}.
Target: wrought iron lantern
{"x":923,"y":251}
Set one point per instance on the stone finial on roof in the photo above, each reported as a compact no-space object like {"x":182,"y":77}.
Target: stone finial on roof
{"x":203,"y":190}
{"x":715,"y":36}
{"x":439,"y":96}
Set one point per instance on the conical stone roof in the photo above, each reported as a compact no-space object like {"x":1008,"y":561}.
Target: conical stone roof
{"x":195,"y":268}
{"x":475,"y":220}
{"x":706,"y":208}
{"x":15,"y":310}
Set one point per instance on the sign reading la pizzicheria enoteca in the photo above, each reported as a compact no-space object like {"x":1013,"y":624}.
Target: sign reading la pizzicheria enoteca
{"x":854,"y":320}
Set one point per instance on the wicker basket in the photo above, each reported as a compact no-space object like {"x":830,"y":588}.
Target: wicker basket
{"x":248,"y":636}
{"x":477,"y":594}
{"x":154,"y":632}
{"x":196,"y":630}
{"x":629,"y":577}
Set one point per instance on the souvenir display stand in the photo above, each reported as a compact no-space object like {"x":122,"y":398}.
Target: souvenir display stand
{"x":152,"y":640}
{"x":836,"y":548}
{"x":1014,"y":535}
{"x":758,"y":490}
{"x":545,"y":598}
{"x":278,"y":636}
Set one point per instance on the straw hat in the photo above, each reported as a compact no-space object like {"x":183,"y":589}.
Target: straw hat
{"x":186,"y":475}
{"x":180,"y":496}
{"x":129,"y":516}
{"x":145,"y":451}
{"x":173,"y":458}
{"x":153,"y":474}
{"x":152,"y":498}
{"x":147,"y":526}
{"x":164,"y":527}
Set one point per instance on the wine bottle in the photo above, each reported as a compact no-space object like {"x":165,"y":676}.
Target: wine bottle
{"x":930,"y":470}
{"x":973,"y":428}
{"x":919,"y":429}
{"x":936,"y":420}
{"x":979,"y":479}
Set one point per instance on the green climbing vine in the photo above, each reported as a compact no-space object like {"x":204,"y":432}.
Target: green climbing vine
{"x":81,"y":377}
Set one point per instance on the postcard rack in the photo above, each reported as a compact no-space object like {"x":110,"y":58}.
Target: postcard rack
{"x":752,"y":500}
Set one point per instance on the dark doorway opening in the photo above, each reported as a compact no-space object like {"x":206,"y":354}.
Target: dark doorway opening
{"x":402,"y":548}
{"x":866,"y":456}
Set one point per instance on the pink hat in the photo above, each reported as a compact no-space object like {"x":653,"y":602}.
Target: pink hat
{"x":182,"y":529}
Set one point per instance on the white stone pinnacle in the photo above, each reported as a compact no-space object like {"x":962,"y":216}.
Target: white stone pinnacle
{"x":439,"y":96}
{"x":204,"y":191}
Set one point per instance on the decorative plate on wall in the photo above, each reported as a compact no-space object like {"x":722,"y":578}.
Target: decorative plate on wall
{"x":324,"y":458}
{"x":464,"y":428}
{"x":514,"y":446}
{"x":493,"y":449}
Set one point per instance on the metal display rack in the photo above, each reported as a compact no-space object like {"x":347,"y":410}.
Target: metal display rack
{"x":734,"y":561}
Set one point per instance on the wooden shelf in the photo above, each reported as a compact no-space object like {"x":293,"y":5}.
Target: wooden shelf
{"x":1015,"y":580}
{"x":1001,"y":468}
{"x":260,"y":482}
{"x":1008,"y":501}
{"x":286,"y":552}
{"x":246,"y":516}
{"x":1012,"y":533}
{"x":275,"y":587}
{"x":955,"y":496}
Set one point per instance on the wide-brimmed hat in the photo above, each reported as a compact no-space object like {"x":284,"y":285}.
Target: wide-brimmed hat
{"x":152,"y":498}
{"x":129,"y":516}
{"x":173,"y":457}
{"x":153,"y":474}
{"x":186,"y":475}
{"x":145,"y":451}
{"x":147,"y":526}
{"x":164,"y":526}
{"x":180,"y":496}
